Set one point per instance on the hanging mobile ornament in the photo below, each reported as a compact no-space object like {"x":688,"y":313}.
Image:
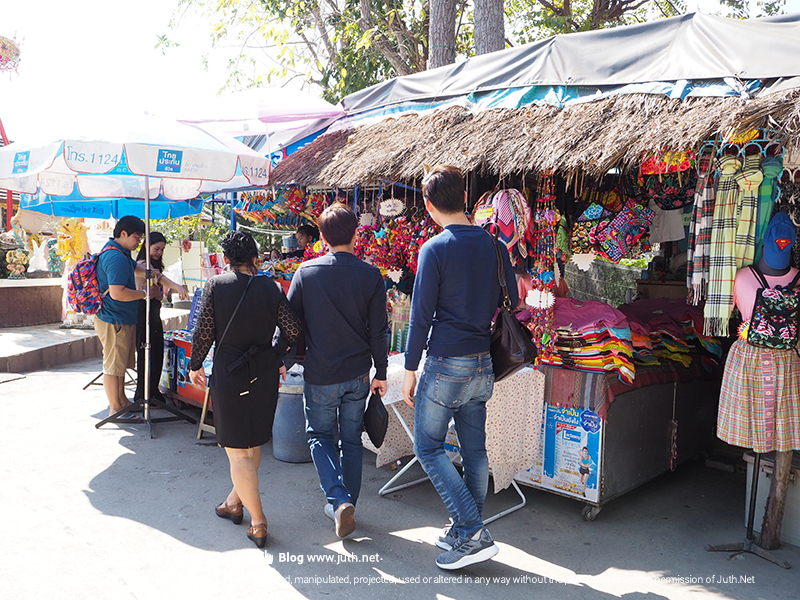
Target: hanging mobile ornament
{"x":541,"y":298}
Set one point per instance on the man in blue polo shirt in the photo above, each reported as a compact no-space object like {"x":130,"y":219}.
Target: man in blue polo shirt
{"x":115,"y":323}
{"x":456,"y":295}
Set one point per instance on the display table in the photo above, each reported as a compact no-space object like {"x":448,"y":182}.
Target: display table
{"x":539,"y":421}
{"x":513,"y":423}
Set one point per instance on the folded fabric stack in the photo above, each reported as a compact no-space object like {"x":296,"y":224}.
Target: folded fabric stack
{"x":642,"y":345}
{"x":591,"y":336}
{"x":675,"y":330}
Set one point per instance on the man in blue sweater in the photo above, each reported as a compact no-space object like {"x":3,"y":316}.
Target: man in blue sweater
{"x":456,"y":294}
{"x":342,"y":301}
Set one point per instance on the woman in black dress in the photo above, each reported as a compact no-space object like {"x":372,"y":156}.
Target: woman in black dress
{"x":247,"y":369}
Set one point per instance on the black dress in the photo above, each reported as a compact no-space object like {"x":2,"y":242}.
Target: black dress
{"x":244,"y":381}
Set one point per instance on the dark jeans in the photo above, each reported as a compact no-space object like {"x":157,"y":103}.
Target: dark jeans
{"x":330,"y":408}
{"x":156,"y":349}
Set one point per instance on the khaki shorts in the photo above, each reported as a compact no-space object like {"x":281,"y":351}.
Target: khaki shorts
{"x":119,"y":347}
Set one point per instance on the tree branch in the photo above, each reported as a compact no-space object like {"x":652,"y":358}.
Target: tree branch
{"x":332,"y":52}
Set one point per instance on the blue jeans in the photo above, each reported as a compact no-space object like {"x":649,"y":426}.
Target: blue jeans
{"x":455,"y":388}
{"x":329,"y":406}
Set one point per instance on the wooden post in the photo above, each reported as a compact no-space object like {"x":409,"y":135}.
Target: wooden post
{"x":776,"y":502}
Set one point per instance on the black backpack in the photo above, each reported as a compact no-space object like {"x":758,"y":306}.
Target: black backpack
{"x":774,"y":321}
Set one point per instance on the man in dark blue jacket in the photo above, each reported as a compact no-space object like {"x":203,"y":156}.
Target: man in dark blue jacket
{"x":456,"y":294}
{"x":342,"y":301}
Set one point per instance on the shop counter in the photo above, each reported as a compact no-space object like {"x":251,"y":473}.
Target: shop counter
{"x":539,"y":421}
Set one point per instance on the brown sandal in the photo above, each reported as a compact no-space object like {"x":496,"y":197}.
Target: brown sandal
{"x":234,"y":513}
{"x":257,"y":532}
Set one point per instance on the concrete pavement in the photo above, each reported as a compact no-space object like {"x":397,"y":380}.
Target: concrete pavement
{"x":110,"y":513}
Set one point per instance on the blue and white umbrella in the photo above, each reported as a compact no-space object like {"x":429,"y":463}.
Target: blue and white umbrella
{"x":142,"y":158}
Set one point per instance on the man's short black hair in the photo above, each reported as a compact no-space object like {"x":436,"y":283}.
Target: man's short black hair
{"x":130,"y":225}
{"x":443,"y":187}
{"x":338,"y":224}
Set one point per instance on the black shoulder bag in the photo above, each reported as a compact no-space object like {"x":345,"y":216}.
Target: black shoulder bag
{"x":512,"y":346}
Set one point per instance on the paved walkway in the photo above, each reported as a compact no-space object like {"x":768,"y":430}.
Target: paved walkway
{"x":111,"y":513}
{"x":37,"y":347}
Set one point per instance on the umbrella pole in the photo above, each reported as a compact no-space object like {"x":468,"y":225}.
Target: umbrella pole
{"x":147,"y":282}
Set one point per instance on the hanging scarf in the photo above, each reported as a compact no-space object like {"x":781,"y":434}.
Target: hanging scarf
{"x":700,"y":231}
{"x":772,"y":168}
{"x":722,"y":254}
{"x":749,"y":181}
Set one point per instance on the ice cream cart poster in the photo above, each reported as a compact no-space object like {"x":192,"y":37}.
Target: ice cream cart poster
{"x":572,"y":451}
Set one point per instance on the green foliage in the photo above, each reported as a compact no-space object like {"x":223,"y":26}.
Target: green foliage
{"x":196,"y":228}
{"x":328,"y":43}
{"x":331,"y":44}
{"x":741,"y":9}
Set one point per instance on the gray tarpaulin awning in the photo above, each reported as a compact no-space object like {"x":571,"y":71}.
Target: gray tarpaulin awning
{"x":695,"y":48}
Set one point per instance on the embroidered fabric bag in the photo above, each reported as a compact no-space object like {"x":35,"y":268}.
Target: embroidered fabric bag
{"x":672,"y":191}
{"x":774,"y":321}
{"x":83,"y":291}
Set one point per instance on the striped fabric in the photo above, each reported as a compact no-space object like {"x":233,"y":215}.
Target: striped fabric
{"x":772,"y":167}
{"x":722,"y":251}
{"x":755,"y":412}
{"x":749,"y":181}
{"x":700,"y":233}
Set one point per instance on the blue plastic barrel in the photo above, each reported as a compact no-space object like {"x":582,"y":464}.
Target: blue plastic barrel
{"x":289,"y":438}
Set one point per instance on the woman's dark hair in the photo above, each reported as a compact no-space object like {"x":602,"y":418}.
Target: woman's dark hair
{"x":443,"y":187}
{"x":338,"y":224}
{"x":309,"y":230}
{"x":155,"y":238}
{"x":239,"y":248}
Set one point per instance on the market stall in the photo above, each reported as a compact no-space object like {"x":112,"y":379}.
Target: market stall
{"x":664,"y":176}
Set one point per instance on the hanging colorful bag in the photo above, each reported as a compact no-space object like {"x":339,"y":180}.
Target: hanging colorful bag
{"x":673,"y":190}
{"x":774,"y":321}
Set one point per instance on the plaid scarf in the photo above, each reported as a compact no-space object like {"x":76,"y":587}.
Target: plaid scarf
{"x":772,"y":168}
{"x":700,"y":232}
{"x":749,"y":181}
{"x":722,"y":254}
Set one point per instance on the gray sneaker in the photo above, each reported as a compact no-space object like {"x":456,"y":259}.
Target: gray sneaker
{"x":447,"y":538}
{"x":468,"y":552}
{"x":329,"y":512}
{"x":344,"y":519}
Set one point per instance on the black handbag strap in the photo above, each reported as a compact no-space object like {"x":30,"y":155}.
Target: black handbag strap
{"x":501,"y":274}
{"x":235,"y":310}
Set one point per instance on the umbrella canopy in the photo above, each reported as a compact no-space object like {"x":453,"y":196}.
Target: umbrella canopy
{"x":148,"y":158}
{"x":75,"y":205}
{"x":246,"y":112}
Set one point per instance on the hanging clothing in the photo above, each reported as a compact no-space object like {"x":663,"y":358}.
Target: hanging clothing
{"x":722,"y":256}
{"x":698,"y":255}
{"x":772,"y":167}
{"x":788,"y":200}
{"x":667,"y":225}
{"x":749,"y":181}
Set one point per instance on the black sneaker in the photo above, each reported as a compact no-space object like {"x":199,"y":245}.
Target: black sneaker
{"x":468,"y":552}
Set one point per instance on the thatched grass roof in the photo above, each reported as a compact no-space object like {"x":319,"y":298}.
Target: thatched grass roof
{"x":592,"y":137}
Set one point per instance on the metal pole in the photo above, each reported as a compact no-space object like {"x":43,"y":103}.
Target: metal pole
{"x":147,"y":282}
{"x":9,"y":197}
